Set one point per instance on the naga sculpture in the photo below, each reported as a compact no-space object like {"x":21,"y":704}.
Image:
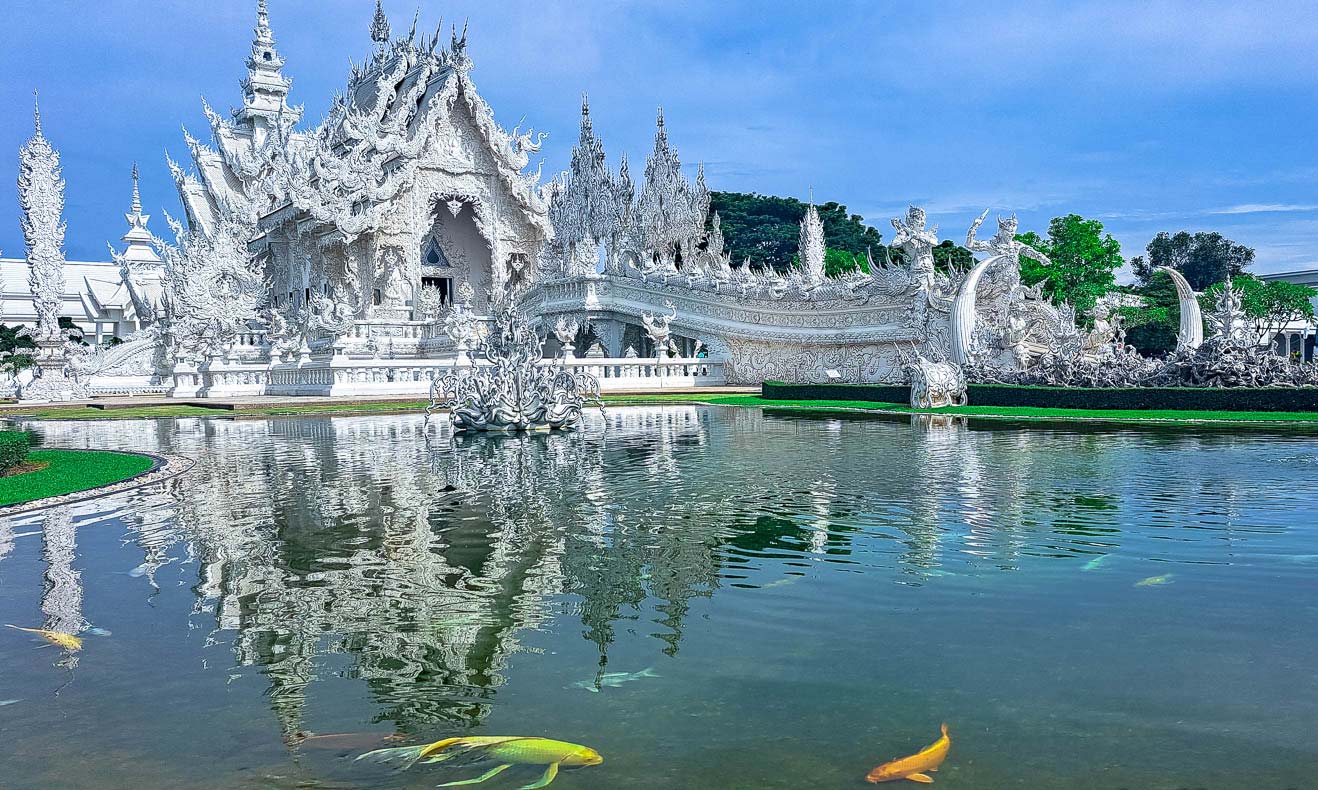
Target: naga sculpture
{"x":935,"y":384}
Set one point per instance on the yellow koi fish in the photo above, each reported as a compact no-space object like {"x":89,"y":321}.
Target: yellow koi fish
{"x":504,"y":750}
{"x":67,"y":641}
{"x":914,"y":767}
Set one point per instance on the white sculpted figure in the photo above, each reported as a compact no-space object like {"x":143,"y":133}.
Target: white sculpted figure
{"x":935,"y":384}
{"x":658,"y":328}
{"x":1004,"y":244}
{"x":565,"y":330}
{"x":918,"y":243}
{"x":461,"y":324}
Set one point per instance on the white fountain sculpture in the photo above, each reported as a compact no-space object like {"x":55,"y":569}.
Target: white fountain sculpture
{"x":510,"y":386}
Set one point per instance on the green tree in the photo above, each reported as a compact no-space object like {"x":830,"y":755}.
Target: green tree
{"x":14,"y":349}
{"x":1084,"y":262}
{"x":766,"y":229}
{"x":838,"y":262}
{"x":1204,"y":259}
{"x":948,"y":256}
{"x":1152,"y":327}
{"x":1269,"y":306}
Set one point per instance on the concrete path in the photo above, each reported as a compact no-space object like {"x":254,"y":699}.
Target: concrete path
{"x":263,"y":402}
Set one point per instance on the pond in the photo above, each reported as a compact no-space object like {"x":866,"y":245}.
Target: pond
{"x":1084,"y":608}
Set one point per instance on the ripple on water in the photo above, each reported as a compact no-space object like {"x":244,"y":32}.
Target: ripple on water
{"x":828,"y":588}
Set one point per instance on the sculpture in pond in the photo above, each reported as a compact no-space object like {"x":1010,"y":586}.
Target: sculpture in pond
{"x":935,"y":384}
{"x":509,"y":386}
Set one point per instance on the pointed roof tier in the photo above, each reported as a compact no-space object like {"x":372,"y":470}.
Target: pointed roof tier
{"x":265,"y":90}
{"x":138,"y":238}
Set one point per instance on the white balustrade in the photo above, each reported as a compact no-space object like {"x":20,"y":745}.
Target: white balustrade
{"x":347,"y":376}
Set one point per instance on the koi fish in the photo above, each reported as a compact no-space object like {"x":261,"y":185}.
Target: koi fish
{"x":614,"y":680}
{"x":504,"y":750}
{"x":1095,"y":563}
{"x":67,"y":641}
{"x":4,"y":702}
{"x":1155,"y":581}
{"x":915,"y":766}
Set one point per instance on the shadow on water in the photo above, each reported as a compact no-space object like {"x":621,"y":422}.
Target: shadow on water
{"x":711,"y":597}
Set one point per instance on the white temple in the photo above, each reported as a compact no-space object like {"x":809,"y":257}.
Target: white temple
{"x":349,"y":258}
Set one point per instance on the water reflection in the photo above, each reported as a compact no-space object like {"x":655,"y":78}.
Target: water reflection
{"x":419,"y":565}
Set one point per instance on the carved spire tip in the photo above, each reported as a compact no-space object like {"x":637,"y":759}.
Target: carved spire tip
{"x":380,"y":25}
{"x":137,"y":196}
{"x":36,"y":113}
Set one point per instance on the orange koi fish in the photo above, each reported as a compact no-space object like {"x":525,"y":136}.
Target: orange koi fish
{"x":914,"y":767}
{"x":67,"y":641}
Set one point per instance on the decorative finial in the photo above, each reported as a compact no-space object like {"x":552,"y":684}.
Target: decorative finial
{"x":137,"y":197}
{"x":660,"y":120}
{"x":812,"y":195}
{"x":380,"y":25}
{"x":36,"y":114}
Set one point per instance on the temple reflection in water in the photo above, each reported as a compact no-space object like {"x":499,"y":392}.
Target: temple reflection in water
{"x":391,"y":551}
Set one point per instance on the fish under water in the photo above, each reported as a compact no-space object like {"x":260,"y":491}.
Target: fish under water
{"x":507,"y":751}
{"x":1095,"y":563}
{"x":613,"y":679}
{"x":4,"y":702}
{"x":144,"y":568}
{"x":916,"y":767}
{"x":1155,"y":581}
{"x":67,"y":641}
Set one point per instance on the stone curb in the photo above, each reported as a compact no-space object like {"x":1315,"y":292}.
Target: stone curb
{"x":163,"y":468}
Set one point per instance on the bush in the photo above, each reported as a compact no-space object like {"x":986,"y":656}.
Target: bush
{"x":13,"y":449}
{"x":1279,"y":399}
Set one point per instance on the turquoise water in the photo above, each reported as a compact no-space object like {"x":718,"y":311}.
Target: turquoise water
{"x":814,"y":595}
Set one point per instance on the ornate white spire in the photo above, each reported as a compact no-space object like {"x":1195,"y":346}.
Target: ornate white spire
{"x":265,"y":90}
{"x":811,"y":244}
{"x":138,"y":238}
{"x":670,"y":210}
{"x":41,"y":196}
{"x":380,"y":25}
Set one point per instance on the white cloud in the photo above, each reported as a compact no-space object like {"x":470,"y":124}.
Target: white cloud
{"x":1266,"y":208}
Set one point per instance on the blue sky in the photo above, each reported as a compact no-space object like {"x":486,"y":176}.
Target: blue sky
{"x":1148,"y":115}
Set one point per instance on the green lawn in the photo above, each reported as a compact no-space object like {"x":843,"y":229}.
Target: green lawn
{"x":403,"y":407}
{"x":69,"y":471}
{"x":992,"y":412}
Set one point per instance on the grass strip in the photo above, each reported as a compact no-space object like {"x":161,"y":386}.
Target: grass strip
{"x":988,"y":412}
{"x":70,"y":471}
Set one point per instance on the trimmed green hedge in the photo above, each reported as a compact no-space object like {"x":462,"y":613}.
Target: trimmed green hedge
{"x":879,"y":393}
{"x":1297,"y":399}
{"x":13,"y":449}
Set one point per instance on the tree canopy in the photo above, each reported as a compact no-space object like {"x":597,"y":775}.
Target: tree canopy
{"x":1084,"y":261}
{"x":15,"y":349}
{"x":1204,"y":259}
{"x":766,"y":229}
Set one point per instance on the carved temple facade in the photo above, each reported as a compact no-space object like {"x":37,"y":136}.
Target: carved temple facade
{"x":334,"y":259}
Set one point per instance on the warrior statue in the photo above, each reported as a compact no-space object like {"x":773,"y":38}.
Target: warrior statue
{"x":1007,"y":275}
{"x":918,"y":243}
